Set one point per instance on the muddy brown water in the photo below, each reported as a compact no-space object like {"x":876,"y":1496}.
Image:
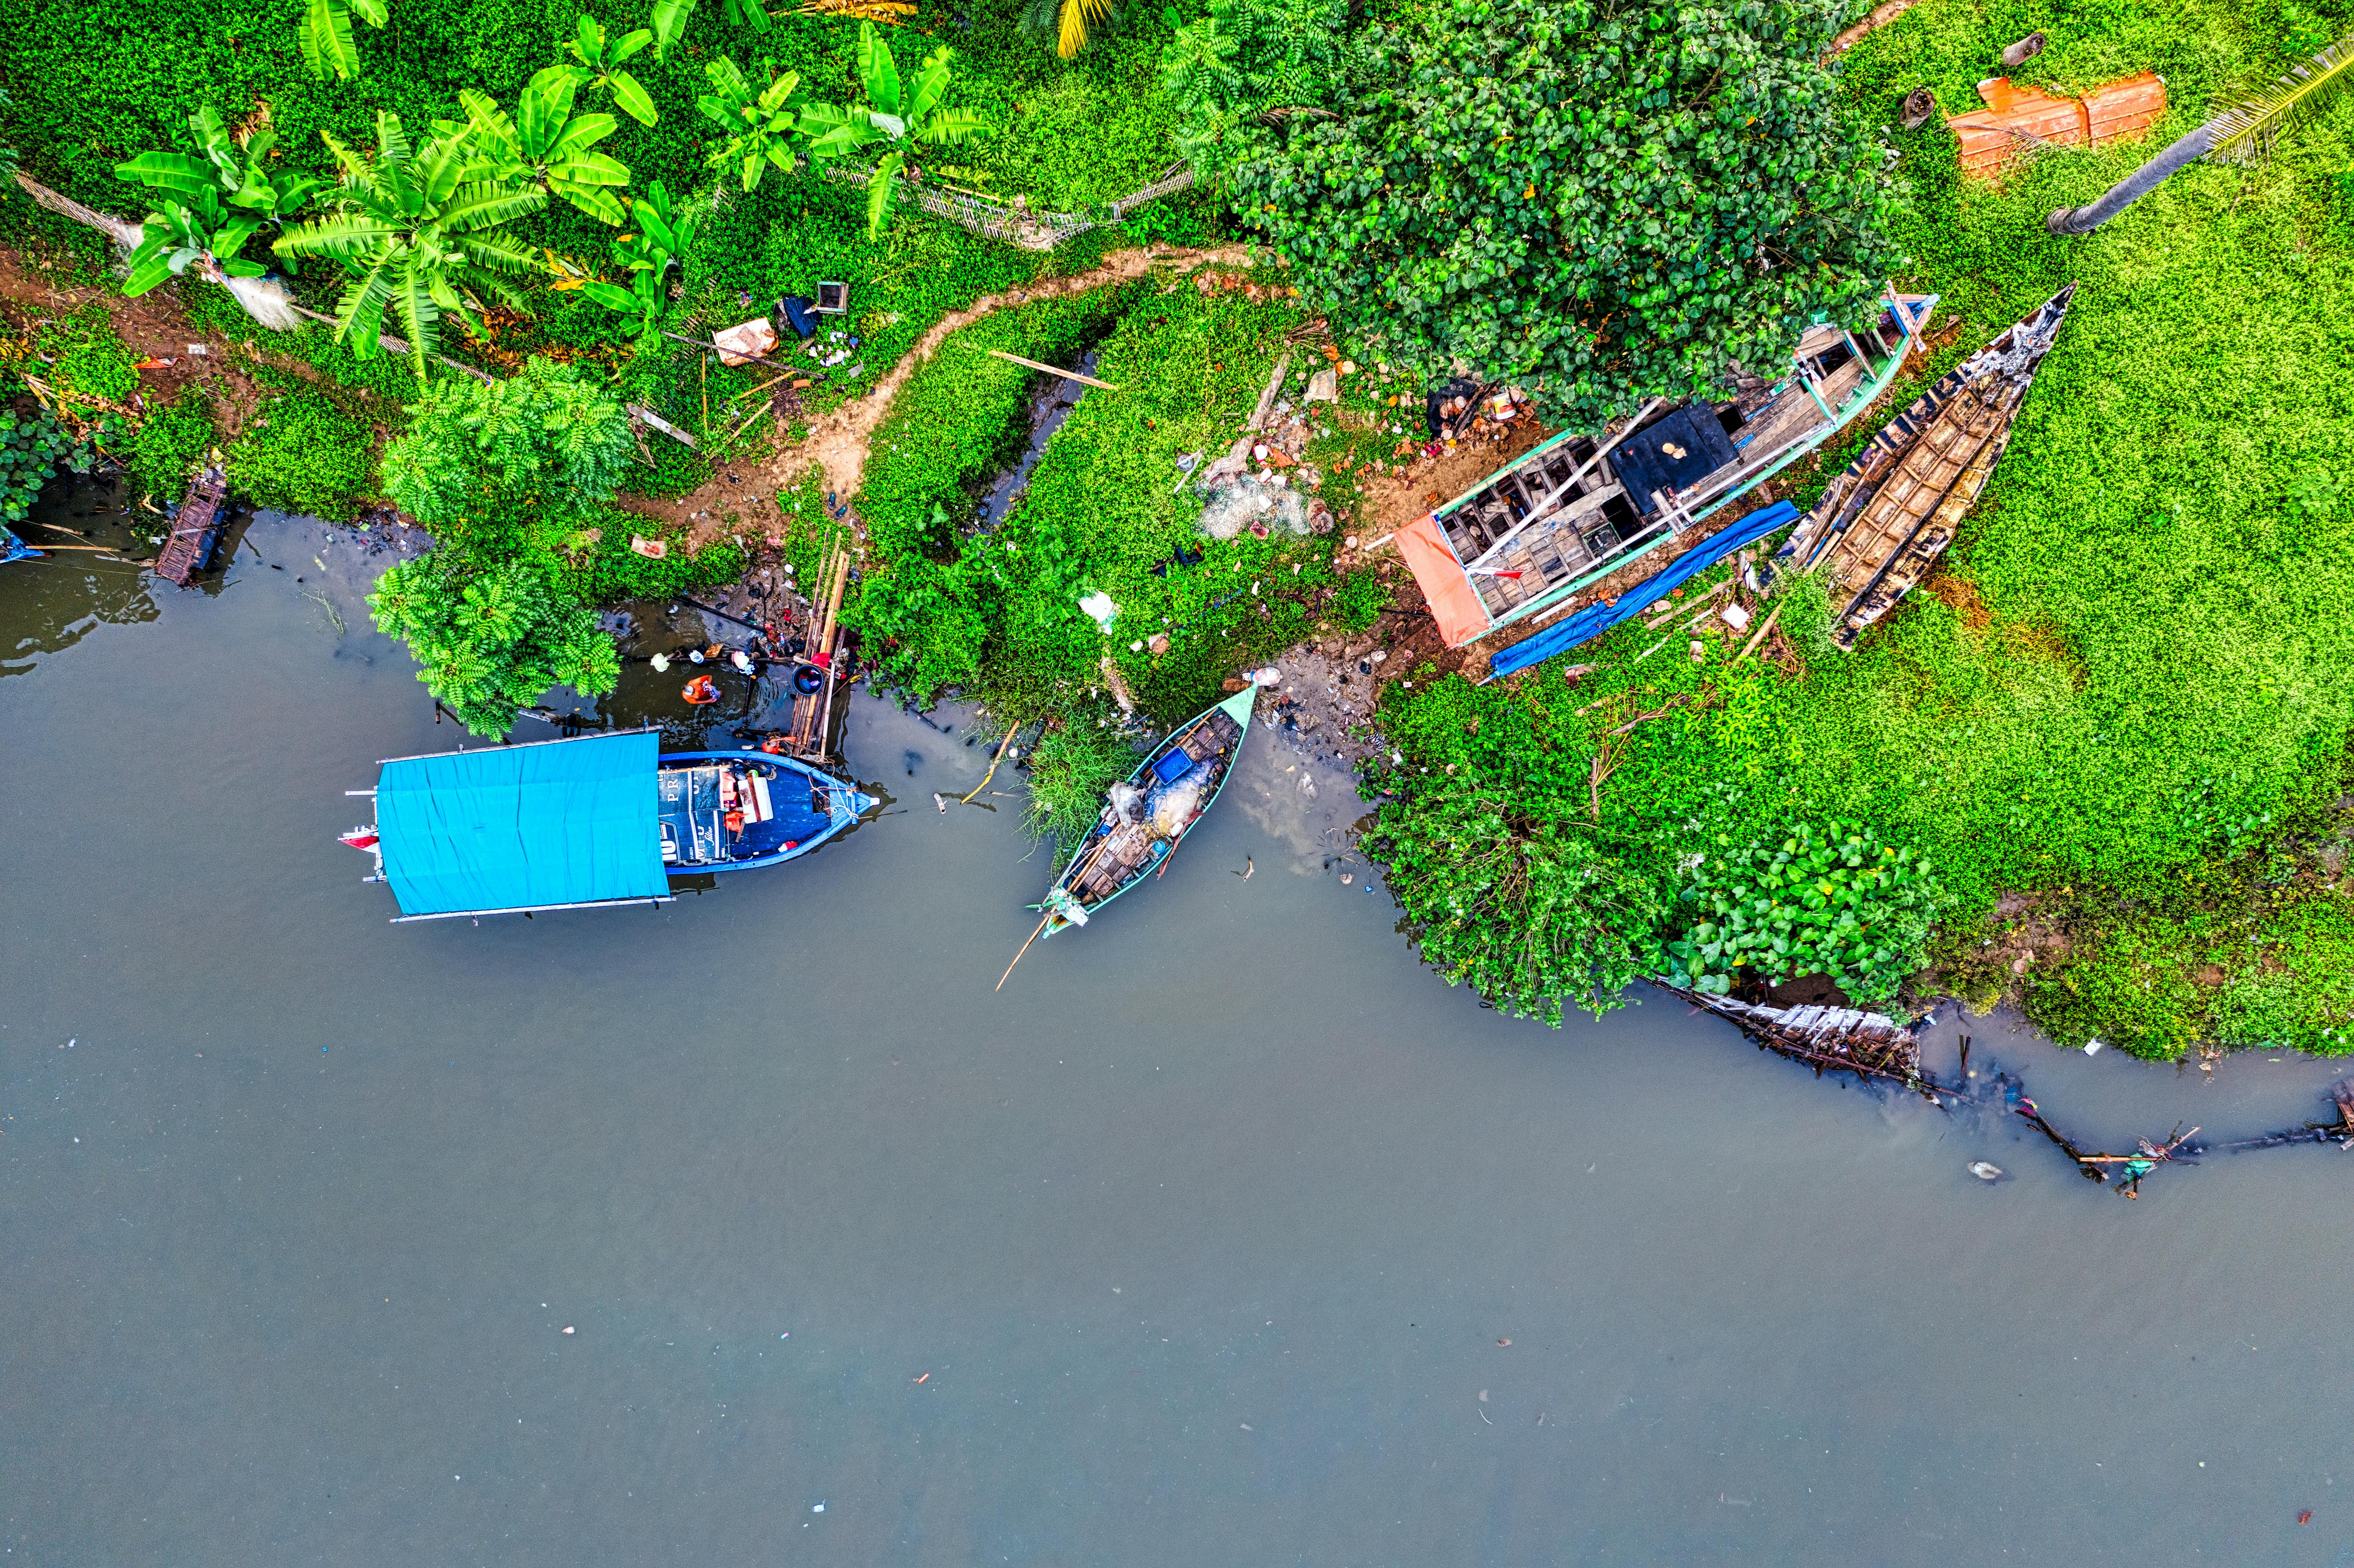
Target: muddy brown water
{"x":1199,"y":1243}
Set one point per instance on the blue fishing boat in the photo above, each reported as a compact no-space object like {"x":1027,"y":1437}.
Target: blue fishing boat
{"x":592,"y":822}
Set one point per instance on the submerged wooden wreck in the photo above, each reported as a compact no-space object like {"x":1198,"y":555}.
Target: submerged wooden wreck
{"x":1828,"y":1039}
{"x":1529,"y":538}
{"x":1883,"y":523}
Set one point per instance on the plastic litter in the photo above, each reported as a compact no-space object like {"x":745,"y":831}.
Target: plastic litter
{"x":1176,"y":803}
{"x":1984,"y":1171}
{"x":1101,"y":609}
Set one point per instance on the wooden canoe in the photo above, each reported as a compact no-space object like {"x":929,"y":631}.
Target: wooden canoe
{"x":1122,"y":851}
{"x":1883,"y":521}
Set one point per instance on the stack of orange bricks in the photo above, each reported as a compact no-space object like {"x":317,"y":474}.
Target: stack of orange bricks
{"x":2015,"y":119}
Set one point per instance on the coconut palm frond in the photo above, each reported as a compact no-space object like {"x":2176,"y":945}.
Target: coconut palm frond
{"x":890,"y":13}
{"x":1073,"y":21}
{"x":2246,"y":132}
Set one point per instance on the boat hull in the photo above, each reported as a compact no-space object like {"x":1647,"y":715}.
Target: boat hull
{"x":844,"y":805}
{"x":1069,"y":890}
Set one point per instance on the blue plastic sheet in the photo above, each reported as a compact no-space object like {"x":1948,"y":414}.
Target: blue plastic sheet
{"x":523,"y":826}
{"x":1597,"y":618}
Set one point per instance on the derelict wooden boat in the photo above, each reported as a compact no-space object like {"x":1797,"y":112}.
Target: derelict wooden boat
{"x":1883,"y":523}
{"x":1139,"y":831}
{"x":1539,"y":534}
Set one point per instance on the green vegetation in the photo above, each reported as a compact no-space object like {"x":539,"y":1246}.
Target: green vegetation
{"x":301,"y":453}
{"x":901,"y":122}
{"x":512,"y":463}
{"x":173,"y":441}
{"x":2116,"y":721}
{"x":491,"y":638}
{"x":1608,"y":204}
{"x":32,"y":448}
{"x":1070,"y":767}
{"x":1822,"y":899}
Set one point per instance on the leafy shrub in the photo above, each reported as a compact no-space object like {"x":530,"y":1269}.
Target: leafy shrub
{"x":490,"y":640}
{"x":1823,"y":898}
{"x":303,"y":453}
{"x":173,"y":441}
{"x":492,"y":462}
{"x":1530,"y":913}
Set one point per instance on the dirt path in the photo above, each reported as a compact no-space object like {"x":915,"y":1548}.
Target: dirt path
{"x":837,"y":443}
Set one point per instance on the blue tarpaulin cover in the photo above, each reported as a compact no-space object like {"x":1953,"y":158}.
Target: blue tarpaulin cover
{"x":1597,"y":618}
{"x":523,"y":826}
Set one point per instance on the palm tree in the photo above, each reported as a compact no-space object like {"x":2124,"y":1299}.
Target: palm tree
{"x":415,"y":237}
{"x":890,"y":119}
{"x":2239,"y":135}
{"x":544,"y":145}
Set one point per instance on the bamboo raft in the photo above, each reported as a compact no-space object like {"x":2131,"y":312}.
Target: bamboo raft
{"x":1883,"y":521}
{"x":195,"y":529}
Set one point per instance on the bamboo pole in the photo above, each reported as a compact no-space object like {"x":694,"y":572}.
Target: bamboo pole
{"x":1054,"y":370}
{"x":1017,"y":958}
{"x":1011,"y":732}
{"x":1760,"y":637}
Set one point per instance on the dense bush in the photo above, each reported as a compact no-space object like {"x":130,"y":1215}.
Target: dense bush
{"x":1607,"y":204}
{"x":490,"y":640}
{"x":487,"y":464}
{"x":1531,"y":912}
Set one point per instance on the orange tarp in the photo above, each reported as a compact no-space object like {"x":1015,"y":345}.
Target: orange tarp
{"x":1454,"y":602}
{"x":2015,"y":119}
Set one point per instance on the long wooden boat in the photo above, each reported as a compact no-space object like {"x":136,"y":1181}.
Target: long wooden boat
{"x":1532,"y":537}
{"x":588,"y":822}
{"x":1148,"y":815}
{"x":1882,"y":524}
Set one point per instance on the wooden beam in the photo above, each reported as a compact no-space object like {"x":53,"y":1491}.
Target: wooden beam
{"x":658,"y":423}
{"x":1054,"y":370}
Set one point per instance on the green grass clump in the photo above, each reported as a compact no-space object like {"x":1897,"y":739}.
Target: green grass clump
{"x":173,"y":441}
{"x":1070,"y":767}
{"x":87,"y":357}
{"x":303,"y":453}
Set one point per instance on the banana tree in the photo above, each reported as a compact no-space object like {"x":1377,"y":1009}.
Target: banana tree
{"x":417,"y":236}
{"x":759,"y":121}
{"x":543,"y":144}
{"x":669,"y":20}
{"x":2238,"y":135}
{"x":889,"y":119}
{"x":326,"y":32}
{"x":599,"y":66}
{"x":665,"y":236}
{"x":191,"y":226}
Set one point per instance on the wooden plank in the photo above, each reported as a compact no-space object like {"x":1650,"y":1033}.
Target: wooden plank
{"x":1055,"y":370}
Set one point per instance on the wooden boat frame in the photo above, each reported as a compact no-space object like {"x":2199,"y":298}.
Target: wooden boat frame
{"x":1893,"y":510}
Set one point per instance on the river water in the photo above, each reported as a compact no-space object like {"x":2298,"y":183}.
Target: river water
{"x":758,"y":1229}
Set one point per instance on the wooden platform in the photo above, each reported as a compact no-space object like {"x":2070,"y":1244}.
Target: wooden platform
{"x":195,"y":529}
